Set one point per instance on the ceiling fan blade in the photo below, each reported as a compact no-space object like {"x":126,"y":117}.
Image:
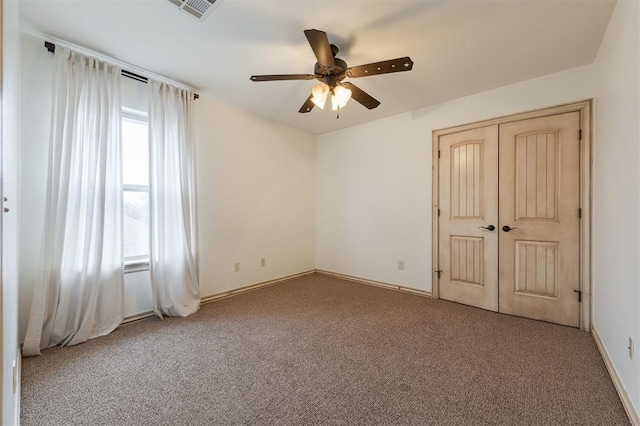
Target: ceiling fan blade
{"x":307,"y":106}
{"x":277,"y":77}
{"x":361,"y":96}
{"x":320,"y":45}
{"x":383,"y":67}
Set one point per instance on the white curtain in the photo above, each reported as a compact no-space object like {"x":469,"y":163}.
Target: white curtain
{"x":80,"y":295}
{"x":172,"y":188}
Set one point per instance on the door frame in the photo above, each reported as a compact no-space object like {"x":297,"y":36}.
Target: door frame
{"x":584,"y":109}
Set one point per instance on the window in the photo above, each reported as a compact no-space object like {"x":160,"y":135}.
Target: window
{"x":135,"y":197}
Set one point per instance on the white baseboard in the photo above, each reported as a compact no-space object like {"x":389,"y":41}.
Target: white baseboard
{"x":622,"y":392}
{"x":17,"y":386}
{"x":388,"y":286}
{"x":211,"y":298}
{"x":252,"y":287}
{"x":137,"y":317}
{"x":217,"y":296}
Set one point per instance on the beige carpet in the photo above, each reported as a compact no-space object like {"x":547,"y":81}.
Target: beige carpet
{"x":323,"y":351}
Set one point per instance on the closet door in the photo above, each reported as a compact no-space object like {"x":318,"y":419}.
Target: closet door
{"x":468,"y":205}
{"x":539,"y":223}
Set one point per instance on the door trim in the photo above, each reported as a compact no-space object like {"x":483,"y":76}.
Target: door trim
{"x":584,"y":109}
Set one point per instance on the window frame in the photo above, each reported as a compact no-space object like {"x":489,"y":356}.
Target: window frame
{"x":140,"y":262}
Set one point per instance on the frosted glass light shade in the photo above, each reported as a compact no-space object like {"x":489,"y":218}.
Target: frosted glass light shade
{"x":319,"y":95}
{"x":340,"y":97}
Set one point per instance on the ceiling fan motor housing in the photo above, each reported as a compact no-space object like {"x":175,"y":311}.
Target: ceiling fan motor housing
{"x":333,"y":74}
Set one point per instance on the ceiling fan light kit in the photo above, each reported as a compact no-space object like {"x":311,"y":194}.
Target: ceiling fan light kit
{"x":330,"y":71}
{"x":339,"y":96}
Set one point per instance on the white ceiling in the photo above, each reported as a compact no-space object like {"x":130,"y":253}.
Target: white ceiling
{"x":458,"y":47}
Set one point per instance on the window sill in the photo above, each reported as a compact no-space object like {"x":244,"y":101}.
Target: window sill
{"x":136,"y":266}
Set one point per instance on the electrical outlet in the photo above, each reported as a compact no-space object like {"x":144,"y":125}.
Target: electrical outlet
{"x":401,"y":265}
{"x":630,"y":347}
{"x":263,"y":261}
{"x":236,"y":267}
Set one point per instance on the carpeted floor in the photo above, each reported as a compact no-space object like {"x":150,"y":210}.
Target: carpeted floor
{"x":323,"y":351}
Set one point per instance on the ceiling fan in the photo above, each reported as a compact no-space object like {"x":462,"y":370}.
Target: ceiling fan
{"x":331,"y":71}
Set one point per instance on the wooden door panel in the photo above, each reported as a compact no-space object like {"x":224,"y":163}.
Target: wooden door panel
{"x":539,"y":198}
{"x":468,"y":200}
{"x":465,"y":177}
{"x":536,"y":264}
{"x":536,"y":174}
{"x":466,"y":260}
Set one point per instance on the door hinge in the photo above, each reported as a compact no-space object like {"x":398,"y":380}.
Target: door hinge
{"x":438,"y":154}
{"x":580,"y":213}
{"x":580,"y":134}
{"x":579,"y":295}
{"x":438,"y":212}
{"x":439,"y":272}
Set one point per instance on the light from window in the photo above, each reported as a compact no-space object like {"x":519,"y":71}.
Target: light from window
{"x":135,"y":180}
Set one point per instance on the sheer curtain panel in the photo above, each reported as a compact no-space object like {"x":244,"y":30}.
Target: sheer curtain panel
{"x":172,"y":190}
{"x":80,"y":294}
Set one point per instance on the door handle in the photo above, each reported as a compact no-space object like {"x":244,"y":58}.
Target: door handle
{"x":507,"y":228}
{"x":488,"y":228}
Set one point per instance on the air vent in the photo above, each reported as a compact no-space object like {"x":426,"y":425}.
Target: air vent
{"x":199,"y":9}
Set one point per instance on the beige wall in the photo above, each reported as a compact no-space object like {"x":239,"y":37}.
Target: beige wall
{"x":373,"y":182}
{"x":256,"y":198}
{"x":256,"y":186}
{"x":616,"y":194}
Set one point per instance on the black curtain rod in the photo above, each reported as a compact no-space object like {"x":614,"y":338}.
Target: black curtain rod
{"x":52,"y":48}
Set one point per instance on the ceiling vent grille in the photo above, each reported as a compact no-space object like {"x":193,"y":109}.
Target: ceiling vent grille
{"x":199,"y":9}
